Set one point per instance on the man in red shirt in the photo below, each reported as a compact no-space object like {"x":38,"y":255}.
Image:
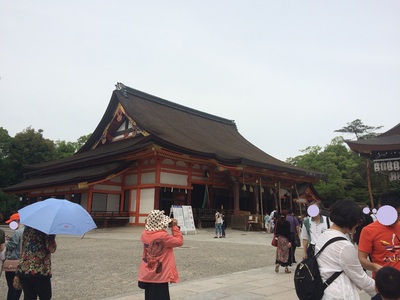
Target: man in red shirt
{"x":379,"y":244}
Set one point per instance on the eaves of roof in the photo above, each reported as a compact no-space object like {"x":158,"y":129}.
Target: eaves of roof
{"x":92,"y":157}
{"x":243,"y":161}
{"x":93,"y":173}
{"x":385,"y":143}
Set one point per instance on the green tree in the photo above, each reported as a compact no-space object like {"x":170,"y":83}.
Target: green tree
{"x":360,"y":130}
{"x":64,"y":149}
{"x":29,"y":147}
{"x":6,"y":171}
{"x":82,"y":141}
{"x":342,"y":168}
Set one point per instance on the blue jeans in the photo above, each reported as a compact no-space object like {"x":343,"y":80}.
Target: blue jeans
{"x":218,"y":230}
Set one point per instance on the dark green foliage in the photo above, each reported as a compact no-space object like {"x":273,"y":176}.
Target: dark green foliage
{"x":64,"y":149}
{"x":6,"y":171}
{"x":346,"y":173}
{"x":28,"y":147}
{"x":9,"y":204}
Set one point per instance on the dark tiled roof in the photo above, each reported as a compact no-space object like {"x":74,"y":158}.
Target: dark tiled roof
{"x":92,"y":173}
{"x":387,"y":141}
{"x":190,"y":131}
{"x":170,"y":125}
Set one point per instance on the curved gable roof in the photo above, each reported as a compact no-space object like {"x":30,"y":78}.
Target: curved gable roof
{"x":189,"y":131}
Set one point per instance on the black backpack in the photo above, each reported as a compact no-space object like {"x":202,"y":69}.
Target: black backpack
{"x":307,"y":279}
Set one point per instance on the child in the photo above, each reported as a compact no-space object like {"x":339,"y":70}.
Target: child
{"x":387,"y":281}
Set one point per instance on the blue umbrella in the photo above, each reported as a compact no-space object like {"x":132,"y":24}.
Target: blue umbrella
{"x":57,"y":216}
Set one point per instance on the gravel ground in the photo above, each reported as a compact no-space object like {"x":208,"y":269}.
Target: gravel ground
{"x":105,"y":262}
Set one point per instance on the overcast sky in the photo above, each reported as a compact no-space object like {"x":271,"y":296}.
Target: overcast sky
{"x":288,"y":73}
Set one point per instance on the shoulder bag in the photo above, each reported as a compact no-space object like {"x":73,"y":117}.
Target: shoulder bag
{"x":274,"y":241}
{"x":10,"y":265}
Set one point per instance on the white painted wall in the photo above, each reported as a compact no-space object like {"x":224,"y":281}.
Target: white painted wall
{"x":148,"y":178}
{"x":133,"y":200}
{"x":131,"y":179}
{"x":84,"y":200}
{"x":104,"y":187}
{"x":146,"y":200}
{"x":175,"y":179}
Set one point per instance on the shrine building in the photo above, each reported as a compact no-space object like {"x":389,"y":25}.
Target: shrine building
{"x":149,"y":153}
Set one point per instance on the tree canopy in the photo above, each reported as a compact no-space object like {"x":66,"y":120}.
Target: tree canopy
{"x":347,"y":173}
{"x":360,"y":130}
{"x":27,"y":148}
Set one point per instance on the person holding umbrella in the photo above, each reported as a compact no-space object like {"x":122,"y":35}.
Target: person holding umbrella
{"x":43,"y":220}
{"x":34,"y":267}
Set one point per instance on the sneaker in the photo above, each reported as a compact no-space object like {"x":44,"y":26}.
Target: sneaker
{"x":215,"y":237}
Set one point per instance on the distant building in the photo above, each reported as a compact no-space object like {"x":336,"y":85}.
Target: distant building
{"x":383,"y":151}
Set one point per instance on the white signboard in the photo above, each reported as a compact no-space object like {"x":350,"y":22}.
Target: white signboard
{"x":184,"y":216}
{"x":390,"y":167}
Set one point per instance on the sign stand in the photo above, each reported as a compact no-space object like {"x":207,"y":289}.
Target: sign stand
{"x":184,"y":215}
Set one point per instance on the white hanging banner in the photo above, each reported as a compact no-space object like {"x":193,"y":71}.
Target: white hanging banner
{"x":184,"y":215}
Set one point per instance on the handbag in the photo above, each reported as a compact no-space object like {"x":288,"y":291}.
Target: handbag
{"x":274,"y":241}
{"x":10,"y":265}
{"x":16,"y":283}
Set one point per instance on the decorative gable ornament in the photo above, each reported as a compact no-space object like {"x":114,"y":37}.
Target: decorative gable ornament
{"x":122,"y":126}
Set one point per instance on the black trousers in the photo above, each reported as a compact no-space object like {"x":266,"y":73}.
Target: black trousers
{"x":36,"y":286}
{"x":12,"y":293}
{"x":292,"y":240}
{"x":156,"y":291}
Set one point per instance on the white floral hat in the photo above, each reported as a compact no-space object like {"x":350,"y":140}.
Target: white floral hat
{"x":156,"y":220}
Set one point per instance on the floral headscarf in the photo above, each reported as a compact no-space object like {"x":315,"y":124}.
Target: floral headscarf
{"x":156,"y":220}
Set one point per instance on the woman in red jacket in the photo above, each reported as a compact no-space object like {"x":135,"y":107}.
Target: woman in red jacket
{"x":158,"y":267}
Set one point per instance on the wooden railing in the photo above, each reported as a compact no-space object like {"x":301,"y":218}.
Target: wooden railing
{"x":109,"y":214}
{"x":110,"y":218}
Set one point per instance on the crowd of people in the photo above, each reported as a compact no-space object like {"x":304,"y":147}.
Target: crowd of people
{"x":341,"y":220}
{"x":368,"y":245}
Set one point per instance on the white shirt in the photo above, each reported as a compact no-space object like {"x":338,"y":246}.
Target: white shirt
{"x":338,"y":256}
{"x":316,"y":229}
{"x":218,"y":218}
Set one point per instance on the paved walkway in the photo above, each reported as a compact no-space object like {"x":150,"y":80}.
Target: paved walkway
{"x":261,"y":283}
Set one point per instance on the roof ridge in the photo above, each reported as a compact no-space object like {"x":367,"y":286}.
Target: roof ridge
{"x":128,"y":90}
